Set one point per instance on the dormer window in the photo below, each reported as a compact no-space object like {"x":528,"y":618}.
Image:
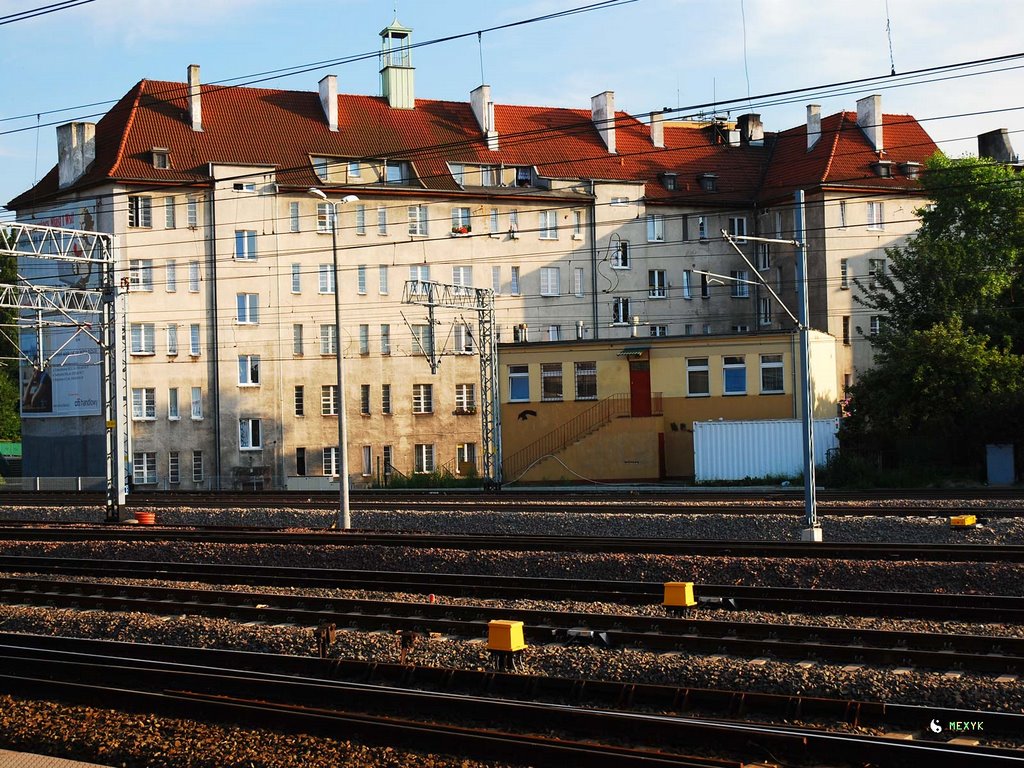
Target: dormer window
{"x":708,"y":182}
{"x":397,"y":172}
{"x":161,"y":158}
{"x":911,"y":170}
{"x":882,"y":168}
{"x":244,"y":186}
{"x":668,"y":180}
{"x":489,"y":176}
{"x":524,"y":176}
{"x":458,"y":173}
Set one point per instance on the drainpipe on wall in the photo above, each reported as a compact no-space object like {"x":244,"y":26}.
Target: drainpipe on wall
{"x":593,"y":259}
{"x":211,"y":271}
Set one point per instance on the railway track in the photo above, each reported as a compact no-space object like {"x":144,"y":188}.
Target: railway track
{"x":929,"y":605}
{"x":447,"y":709}
{"x":985,"y":654}
{"x":523,"y":543}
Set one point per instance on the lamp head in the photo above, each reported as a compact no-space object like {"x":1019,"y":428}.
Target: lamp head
{"x":349,"y":199}
{"x":317,"y":193}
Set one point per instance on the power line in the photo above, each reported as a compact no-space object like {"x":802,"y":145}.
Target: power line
{"x":42,"y":10}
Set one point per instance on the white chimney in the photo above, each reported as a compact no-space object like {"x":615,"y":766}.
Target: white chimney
{"x":813,"y":125}
{"x":329,"y":100}
{"x":195,"y":105}
{"x":658,"y":129}
{"x":483,"y":111}
{"x":869,"y":118}
{"x":76,"y":149}
{"x":602,"y":111}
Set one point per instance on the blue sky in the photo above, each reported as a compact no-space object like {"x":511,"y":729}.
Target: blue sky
{"x":652,"y":53}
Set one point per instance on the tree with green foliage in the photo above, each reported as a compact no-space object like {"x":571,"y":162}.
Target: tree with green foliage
{"x":10,"y":414}
{"x":949,"y":367}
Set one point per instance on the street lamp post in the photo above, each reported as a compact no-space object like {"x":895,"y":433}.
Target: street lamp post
{"x":341,"y":457}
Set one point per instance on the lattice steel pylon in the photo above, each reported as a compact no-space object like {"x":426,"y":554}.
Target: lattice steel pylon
{"x":66,"y":284}
{"x":481,"y":301}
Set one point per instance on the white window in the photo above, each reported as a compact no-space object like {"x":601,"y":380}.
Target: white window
{"x":417,"y":219}
{"x":465,"y":398}
{"x":385,"y":338}
{"x":244,"y":186}
{"x":297,"y":342}
{"x":364,"y":399}
{"x":382,"y":279}
{"x":329,"y":400}
{"x":249,"y":437}
{"x":143,"y":337}
{"x":364,"y":339}
{"x":519,"y":383}
{"x":549,"y":225}
{"x":331,"y":463}
{"x":324,"y":217}
{"x":422,"y":339}
{"x":655,"y":228}
{"x":844,"y":273}
{"x":328,"y":339}
{"x":248,"y":370}
{"x":296,"y":278}
{"x":550,"y":279}
{"x":764,"y":256}
{"x":161,"y":159}
{"x":687,"y":278}
{"x":772,"y":375}
{"x":385,"y":398}
{"x":419,"y":273}
{"x":143,"y":404}
{"x":514,"y":287}
{"x":577,"y":281}
{"x":577,"y":225}
{"x":740,"y":288}
{"x":876,"y":216}
{"x":397,"y":172}
{"x":620,"y":257}
{"x":361,"y":279}
{"x":354,"y":171}
{"x":245,"y":245}
{"x":702,"y":227}
{"x":197,"y":403}
{"x":463,"y":339}
{"x":465,"y":457}
{"x":741,"y":328}
{"x":778,"y":224}
{"x":554,"y":332}
{"x":842,"y":214}
{"x":192,"y":210}
{"x":172,"y":339}
{"x":698,"y":381}
{"x":424,"y":458}
{"x":367,"y":461}
{"x":169,"y":217}
{"x":197,"y":467}
{"x":320,"y":167}
{"x":326,"y":273}
{"x":173,"y":413}
{"x":462,"y":276}
{"x":620,"y":201}
{"x":495,"y":222}
{"x":140,"y":211}
{"x":300,"y":400}
{"x":461,"y":224}
{"x":140,"y":273}
{"x":513,"y":223}
{"x":764,"y":310}
{"x":422,"y":398}
{"x":876,"y":325}
{"x":620,"y":310}
{"x":586,"y":380}
{"x":194,"y":346}
{"x":382,"y":220}
{"x":172,"y":277}
{"x":734,"y":375}
{"x":360,"y":219}
{"x":248,"y":308}
{"x":193,"y":277}
{"x":173,"y":468}
{"x":489,"y":176}
{"x":659,"y":330}
{"x":876,"y":268}
{"x":657,"y":283}
{"x":496,"y":280}
{"x":550,"y":381}
{"x":738,"y":228}
{"x":293,"y":217}
{"x":144,"y":467}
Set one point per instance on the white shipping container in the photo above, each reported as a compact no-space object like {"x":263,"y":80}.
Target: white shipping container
{"x":733,"y":450}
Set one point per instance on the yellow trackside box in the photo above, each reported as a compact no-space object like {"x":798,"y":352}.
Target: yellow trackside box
{"x":679,"y":594}
{"x":963,"y":521}
{"x":503,"y":635}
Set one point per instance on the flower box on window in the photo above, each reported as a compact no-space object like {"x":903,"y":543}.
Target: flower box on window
{"x":464,"y":411}
{"x":459,"y":231}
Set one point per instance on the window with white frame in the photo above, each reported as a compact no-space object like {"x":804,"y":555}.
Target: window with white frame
{"x":705,"y":287}
{"x":324,"y":217}
{"x":519,"y":383}
{"x":170,"y":220}
{"x":698,"y":377}
{"x":842,"y":214}
{"x":293,"y":217}
{"x":364,"y":399}
{"x":422,"y":339}
{"x":300,"y":400}
{"x":140,"y":211}
{"x":326,"y":279}
{"x":364,"y":339}
{"x":876,"y":216}
{"x":397,"y":172}
{"x":248,"y":370}
{"x":245,"y":245}
{"x":143,"y":404}
{"x":143,"y":338}
{"x":386,"y":456}
{"x":548,"y":225}
{"x":463,"y":339}
{"x":740,"y":288}
{"x":876,"y":268}
{"x":772,"y":376}
{"x":298,"y":346}
{"x":382,"y":220}
{"x":659,"y":330}
{"x":734,"y":375}
{"x":173,"y":468}
{"x":620,"y":310}
{"x":550,"y":381}
{"x":328,"y":339}
{"x":577,"y":281}
{"x":764,"y":256}
{"x":513,"y":223}
{"x":171,"y":281}
{"x":586,"y":380}
{"x":764,"y":310}
{"x":193,"y":277}
{"x":197,"y":403}
{"x":329,"y":400}
{"x":496,"y":280}
{"x":355,"y":171}
{"x":554,"y":332}
{"x":361,"y":279}
{"x":385,"y":398}
{"x":461,"y":223}
{"x":422,"y":398}
{"x":657,"y":283}
{"x":619,"y":201}
{"x":320,"y":167}
{"x":296,"y":278}
{"x":385,"y":338}
{"x":655,"y":228}
{"x":550,"y":278}
{"x":424,"y":458}
{"x":458,"y":173}
{"x":702,"y":227}
{"x":331,"y":463}
{"x":494,"y":221}
{"x":382,"y":279}
{"x":198,"y":473}
{"x":876,"y":325}
{"x":140,"y":274}
{"x":172,"y":338}
{"x":462,"y":276}
{"x":514,"y":286}
{"x":417,"y":219}
{"x":844,"y":273}
{"x":738,"y":228}
{"x":367,"y":461}
{"x":465,"y":398}
{"x":620,"y":255}
{"x":144,"y":467}
{"x":741,"y":328}
{"x":419,"y":273}
{"x":465,"y":457}
{"x":248,"y":305}
{"x":577,"y":225}
{"x":360,"y":219}
{"x":778,"y":225}
{"x":687,"y":279}
{"x":489,"y":176}
{"x":173,"y":411}
{"x":192,"y":212}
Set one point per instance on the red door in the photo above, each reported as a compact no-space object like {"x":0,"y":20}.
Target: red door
{"x":639,"y":388}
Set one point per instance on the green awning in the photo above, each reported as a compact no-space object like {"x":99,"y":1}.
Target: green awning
{"x":633,"y":353}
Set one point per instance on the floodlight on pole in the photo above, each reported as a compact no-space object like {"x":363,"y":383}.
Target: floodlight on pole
{"x":341,"y":457}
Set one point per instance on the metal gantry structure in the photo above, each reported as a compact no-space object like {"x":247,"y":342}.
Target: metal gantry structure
{"x":480,"y":300}
{"x":66,"y":279}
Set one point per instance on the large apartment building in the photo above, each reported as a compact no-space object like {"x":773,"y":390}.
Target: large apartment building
{"x":587,"y":224}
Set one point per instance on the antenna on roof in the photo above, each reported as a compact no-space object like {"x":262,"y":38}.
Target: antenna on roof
{"x":888,"y":32}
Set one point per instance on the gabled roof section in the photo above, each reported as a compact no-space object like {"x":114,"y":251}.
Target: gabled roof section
{"x":844,"y":158}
